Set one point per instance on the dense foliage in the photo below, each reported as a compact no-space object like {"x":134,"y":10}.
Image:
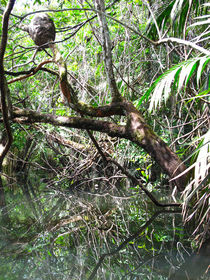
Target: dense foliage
{"x":76,"y":174}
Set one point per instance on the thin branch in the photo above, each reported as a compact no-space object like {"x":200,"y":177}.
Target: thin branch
{"x":34,"y":71}
{"x":136,"y":182}
{"x":155,"y":43}
{"x":185,"y":26}
{"x":153,"y":17}
{"x":15,"y":74}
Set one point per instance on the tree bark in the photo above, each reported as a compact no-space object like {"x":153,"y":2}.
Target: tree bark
{"x":144,"y":136}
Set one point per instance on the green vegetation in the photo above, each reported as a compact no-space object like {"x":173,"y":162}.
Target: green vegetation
{"x":105,"y":140}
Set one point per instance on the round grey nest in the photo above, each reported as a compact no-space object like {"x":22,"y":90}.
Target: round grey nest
{"x":42,"y":30}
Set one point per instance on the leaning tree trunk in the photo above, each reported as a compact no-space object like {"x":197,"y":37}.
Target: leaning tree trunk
{"x":145,"y":137}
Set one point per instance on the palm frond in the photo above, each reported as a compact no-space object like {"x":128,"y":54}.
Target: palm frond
{"x":202,"y":162}
{"x":197,"y":191}
{"x":177,"y":8}
{"x":202,"y":19}
{"x":175,"y":15}
{"x":162,"y":18}
{"x":178,"y":76}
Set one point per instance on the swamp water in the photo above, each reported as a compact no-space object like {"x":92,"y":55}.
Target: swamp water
{"x":60,"y":235}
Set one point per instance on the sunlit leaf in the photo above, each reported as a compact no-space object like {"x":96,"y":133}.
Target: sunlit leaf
{"x":193,"y":68}
{"x":176,"y":8}
{"x":168,"y":83}
{"x":203,"y":61}
{"x":202,"y":160}
{"x":178,"y":76}
{"x":201,"y":23}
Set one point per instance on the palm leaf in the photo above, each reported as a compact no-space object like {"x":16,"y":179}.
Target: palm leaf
{"x":203,"y":62}
{"x":162,"y":18}
{"x":175,"y":14}
{"x":202,"y":165}
{"x":177,"y":7}
{"x":178,"y":76}
{"x":204,"y":19}
{"x":199,"y":184}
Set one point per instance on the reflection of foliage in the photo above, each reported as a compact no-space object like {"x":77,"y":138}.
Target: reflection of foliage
{"x":71,"y":234}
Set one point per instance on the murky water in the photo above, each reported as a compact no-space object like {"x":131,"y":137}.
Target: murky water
{"x":54,"y":234}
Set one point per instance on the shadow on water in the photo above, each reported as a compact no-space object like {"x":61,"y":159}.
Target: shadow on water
{"x":62,"y":234}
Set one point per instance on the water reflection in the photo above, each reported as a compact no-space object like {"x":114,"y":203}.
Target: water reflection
{"x":57,"y":234}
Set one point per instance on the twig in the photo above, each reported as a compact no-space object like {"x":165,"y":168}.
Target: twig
{"x":33,"y":70}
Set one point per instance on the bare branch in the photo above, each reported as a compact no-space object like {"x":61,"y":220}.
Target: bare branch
{"x":33,"y":72}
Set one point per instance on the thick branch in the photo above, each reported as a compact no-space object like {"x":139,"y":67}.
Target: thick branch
{"x":136,"y":130}
{"x":29,"y":117}
{"x":145,"y":137}
{"x":3,"y":84}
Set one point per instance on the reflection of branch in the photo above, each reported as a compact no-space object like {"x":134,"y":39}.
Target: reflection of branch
{"x":153,"y":17}
{"x":123,"y":244}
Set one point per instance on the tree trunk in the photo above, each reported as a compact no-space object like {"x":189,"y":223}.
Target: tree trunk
{"x":145,"y":137}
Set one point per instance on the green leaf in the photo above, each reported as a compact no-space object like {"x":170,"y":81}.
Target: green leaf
{"x":177,"y":7}
{"x":194,"y":66}
{"x":185,"y":73}
{"x":203,"y":62}
{"x":49,"y":253}
{"x":176,"y":77}
{"x":168,"y":83}
{"x":3,"y":3}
